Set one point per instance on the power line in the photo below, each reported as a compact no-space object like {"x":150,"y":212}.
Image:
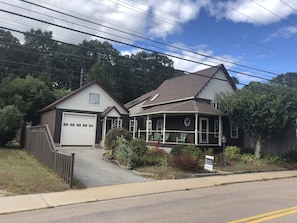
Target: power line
{"x":284,"y":20}
{"x":154,"y":41}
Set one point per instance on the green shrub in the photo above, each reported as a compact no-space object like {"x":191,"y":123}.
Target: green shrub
{"x":290,"y":156}
{"x":155,"y":157}
{"x":209,"y":151}
{"x":193,"y":151}
{"x":232,"y":153}
{"x":248,"y":157}
{"x":185,"y":162}
{"x":112,"y":135}
{"x":10,"y":122}
{"x":125,"y":155}
{"x":177,"y":150}
{"x":139,"y":146}
{"x":270,"y":158}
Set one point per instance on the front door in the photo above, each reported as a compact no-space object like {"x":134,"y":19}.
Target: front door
{"x":204,"y":128}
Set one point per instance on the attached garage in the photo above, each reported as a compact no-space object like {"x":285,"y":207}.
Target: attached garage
{"x":78,"y":129}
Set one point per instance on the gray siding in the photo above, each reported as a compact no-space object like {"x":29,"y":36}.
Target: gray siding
{"x":49,"y":118}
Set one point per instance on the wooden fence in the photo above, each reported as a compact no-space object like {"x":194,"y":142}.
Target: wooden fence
{"x":40,"y":144}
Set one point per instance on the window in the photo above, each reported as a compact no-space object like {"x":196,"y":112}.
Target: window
{"x":132,"y":125}
{"x":233,"y":131}
{"x":187,"y":121}
{"x":94,"y":98}
{"x":215,"y":104}
{"x":117,"y":123}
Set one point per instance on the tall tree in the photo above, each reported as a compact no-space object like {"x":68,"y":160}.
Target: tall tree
{"x":9,"y":52}
{"x":289,"y":79}
{"x":28,"y":94}
{"x":262,"y":110}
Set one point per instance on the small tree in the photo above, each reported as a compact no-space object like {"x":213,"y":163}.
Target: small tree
{"x":262,"y":110}
{"x":10,"y":122}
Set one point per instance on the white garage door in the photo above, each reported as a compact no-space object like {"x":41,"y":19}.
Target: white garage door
{"x":78,"y":129}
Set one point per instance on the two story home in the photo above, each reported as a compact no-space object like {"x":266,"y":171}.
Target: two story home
{"x":184,"y":110}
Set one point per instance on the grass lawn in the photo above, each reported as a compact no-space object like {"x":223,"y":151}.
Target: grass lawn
{"x":21,"y":173}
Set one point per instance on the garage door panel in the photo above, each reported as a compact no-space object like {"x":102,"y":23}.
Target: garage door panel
{"x":78,"y":129}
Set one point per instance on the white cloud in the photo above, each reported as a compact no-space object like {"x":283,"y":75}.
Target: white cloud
{"x":169,"y":15}
{"x":257,"y":12}
{"x":200,"y":59}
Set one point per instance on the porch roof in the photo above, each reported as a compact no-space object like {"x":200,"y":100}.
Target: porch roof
{"x":183,"y":107}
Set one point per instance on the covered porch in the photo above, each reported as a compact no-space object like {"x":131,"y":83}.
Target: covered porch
{"x":190,"y":122}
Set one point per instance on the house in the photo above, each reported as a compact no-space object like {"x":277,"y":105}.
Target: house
{"x":184,"y":110}
{"x":83,"y":117}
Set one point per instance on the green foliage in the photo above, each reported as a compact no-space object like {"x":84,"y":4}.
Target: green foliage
{"x":262,"y":110}
{"x":177,"y":149}
{"x":111,"y":142}
{"x":126,"y":155}
{"x":270,"y":158}
{"x":155,"y":157}
{"x":248,"y":157}
{"x":28,"y":94}
{"x":232,"y":153}
{"x":194,"y":151}
{"x":10,"y":122}
{"x":209,"y":151}
{"x":139,"y":146}
{"x":290,"y":156}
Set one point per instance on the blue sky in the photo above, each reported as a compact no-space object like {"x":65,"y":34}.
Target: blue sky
{"x":250,"y":37}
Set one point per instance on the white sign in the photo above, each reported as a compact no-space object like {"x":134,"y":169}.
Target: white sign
{"x":208,"y":164}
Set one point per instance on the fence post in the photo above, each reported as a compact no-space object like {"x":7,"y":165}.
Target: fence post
{"x":55,"y":160}
{"x":72,"y":168}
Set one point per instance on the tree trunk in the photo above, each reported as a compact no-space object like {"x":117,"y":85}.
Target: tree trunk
{"x":258,"y":149}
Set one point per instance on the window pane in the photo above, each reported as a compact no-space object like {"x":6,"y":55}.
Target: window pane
{"x":94,"y":98}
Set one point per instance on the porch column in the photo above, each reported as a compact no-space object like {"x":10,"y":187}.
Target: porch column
{"x":196,"y":129}
{"x":134,"y":130}
{"x":104,"y":129}
{"x":220,"y":130}
{"x":164,"y":127}
{"x":118,"y":124}
{"x":147,"y":129}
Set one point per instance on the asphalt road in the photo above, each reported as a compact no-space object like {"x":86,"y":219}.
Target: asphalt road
{"x":93,"y":171}
{"x":227,"y":203}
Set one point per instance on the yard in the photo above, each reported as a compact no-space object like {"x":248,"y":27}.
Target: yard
{"x":20,"y":174}
{"x":188,"y":160}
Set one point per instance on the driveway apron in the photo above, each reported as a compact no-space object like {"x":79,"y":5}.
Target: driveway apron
{"x":93,"y":171}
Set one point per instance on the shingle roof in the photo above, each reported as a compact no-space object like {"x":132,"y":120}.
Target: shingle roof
{"x":183,"y":87}
{"x":189,"y":106}
{"x":139,"y":99}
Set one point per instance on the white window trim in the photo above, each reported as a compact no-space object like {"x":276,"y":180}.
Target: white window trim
{"x":132,"y":125}
{"x":232,"y":129}
{"x":94,"y":98}
{"x":117,"y":123}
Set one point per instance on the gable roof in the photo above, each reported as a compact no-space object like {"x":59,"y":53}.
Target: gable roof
{"x":54,"y":104}
{"x":185,"y":87}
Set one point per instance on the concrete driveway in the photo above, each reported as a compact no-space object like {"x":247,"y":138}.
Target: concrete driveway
{"x":93,"y":171}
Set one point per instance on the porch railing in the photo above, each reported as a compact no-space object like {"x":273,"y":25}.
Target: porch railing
{"x":40,"y":144}
{"x":175,"y":137}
